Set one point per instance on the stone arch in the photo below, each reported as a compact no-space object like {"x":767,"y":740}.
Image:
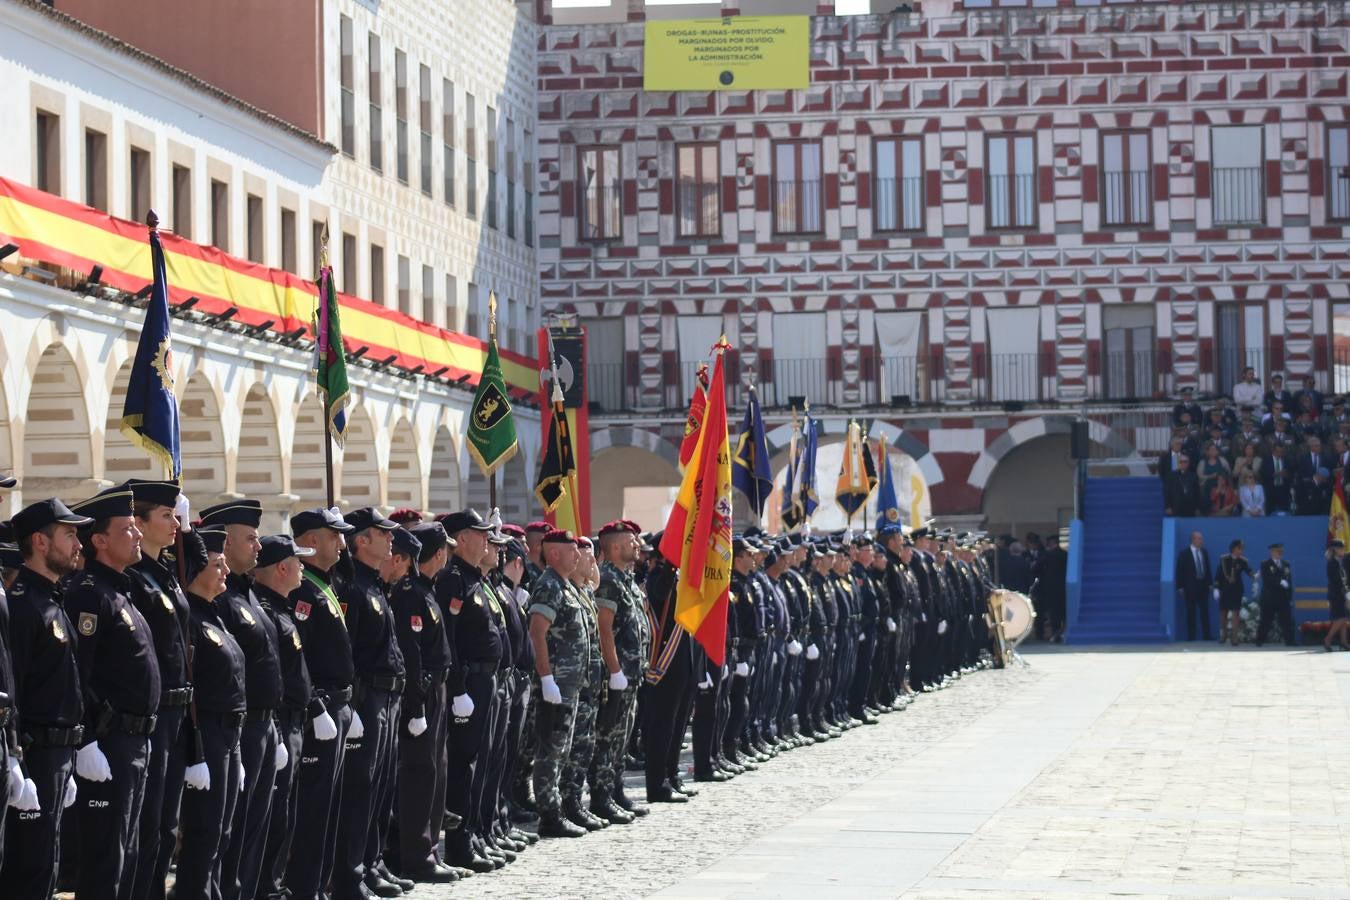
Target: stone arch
{"x":360,"y":480}
{"x":628,"y":436}
{"x":202,"y":438}
{"x":1031,"y":487}
{"x":633,"y":482}
{"x":57,"y":446}
{"x":308,"y":477}
{"x":404,"y":482}
{"x":257,"y":471}
{"x":1029,"y":430}
{"x":121,"y":458}
{"x":444,"y":489}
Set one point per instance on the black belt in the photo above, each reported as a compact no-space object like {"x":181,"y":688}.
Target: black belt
{"x":180,"y":696}
{"x":140,"y":726}
{"x":438,"y":674}
{"x":338,"y":698}
{"x":258,"y":715}
{"x":230,"y":718}
{"x":287,"y":716}
{"x":391,"y":683}
{"x":480,"y":668}
{"x":55,"y":737}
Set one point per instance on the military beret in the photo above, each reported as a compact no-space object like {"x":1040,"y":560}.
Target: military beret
{"x":584,"y":543}
{"x":109,"y":504}
{"x":432,"y":537}
{"x":514,"y":531}
{"x":156,"y":492}
{"x":235,"y":512}
{"x":463,"y":520}
{"x":559,"y":536}
{"x":213,"y":538}
{"x":405,"y":516}
{"x":313,"y":519}
{"x":406,"y":544}
{"x":538,"y":527}
{"x":634,"y":527}
{"x":7,"y":480}
{"x":369,"y":517}
{"x":37,"y":516}
{"x":280,"y":547}
{"x":618,"y":526}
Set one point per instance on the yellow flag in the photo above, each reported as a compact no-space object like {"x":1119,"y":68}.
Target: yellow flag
{"x":915,"y":497}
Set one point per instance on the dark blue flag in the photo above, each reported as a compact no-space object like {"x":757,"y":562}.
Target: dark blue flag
{"x":150,"y":416}
{"x":750,"y":464}
{"x":806,"y":480}
{"x":791,"y":509}
{"x":888,"y":506}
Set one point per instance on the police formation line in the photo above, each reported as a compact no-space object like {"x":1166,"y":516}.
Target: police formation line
{"x":365,"y":703}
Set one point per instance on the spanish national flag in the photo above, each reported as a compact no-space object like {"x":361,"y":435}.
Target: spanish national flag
{"x":698,"y":534}
{"x":697,"y":407}
{"x":1338,"y":525}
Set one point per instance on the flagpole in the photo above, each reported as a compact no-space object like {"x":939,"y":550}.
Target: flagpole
{"x":492,"y":337}
{"x":320,"y":394}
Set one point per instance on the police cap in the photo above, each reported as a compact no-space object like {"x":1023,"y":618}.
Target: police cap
{"x":153,"y":492}
{"x":432,"y":536}
{"x":369,"y":517}
{"x":213,"y":538}
{"x":463,"y":520}
{"x":37,"y":516}
{"x":406,"y":544}
{"x":314,"y":519}
{"x":279,"y":547}
{"x":109,"y":504}
{"x":233,"y":512}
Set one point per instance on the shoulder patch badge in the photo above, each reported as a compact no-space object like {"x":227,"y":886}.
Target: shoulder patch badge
{"x":343,"y":607}
{"x":415,"y":623}
{"x":88,"y":623}
{"x":302,"y":610}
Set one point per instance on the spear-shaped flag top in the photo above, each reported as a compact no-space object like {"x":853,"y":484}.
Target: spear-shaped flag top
{"x":150,"y":416}
{"x":492,"y":430}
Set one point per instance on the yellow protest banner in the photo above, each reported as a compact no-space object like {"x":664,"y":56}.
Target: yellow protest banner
{"x":735,"y":53}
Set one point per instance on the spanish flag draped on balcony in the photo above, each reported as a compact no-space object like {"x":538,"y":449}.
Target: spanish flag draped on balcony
{"x":1338,"y":525}
{"x":698,"y":534}
{"x":150,"y":416}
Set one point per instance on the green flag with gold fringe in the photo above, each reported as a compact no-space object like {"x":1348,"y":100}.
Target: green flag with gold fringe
{"x":492,"y":430}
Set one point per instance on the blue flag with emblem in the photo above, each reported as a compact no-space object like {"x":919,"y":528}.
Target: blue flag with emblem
{"x":806,"y":468}
{"x":150,"y":416}
{"x":888,"y":506}
{"x":750,"y":464}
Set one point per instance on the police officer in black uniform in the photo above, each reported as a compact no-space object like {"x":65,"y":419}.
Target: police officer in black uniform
{"x":278,"y":573}
{"x":420,"y":805}
{"x":213,"y":785}
{"x":476,"y":649}
{"x":328,"y":654}
{"x":45,"y":692}
{"x":160,"y":600}
{"x":119,"y":674}
{"x":242,"y":615}
{"x":670,"y":680}
{"x":378,"y":664}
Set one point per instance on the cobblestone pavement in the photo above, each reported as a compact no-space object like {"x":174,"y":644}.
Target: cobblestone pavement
{"x":1179,"y":772}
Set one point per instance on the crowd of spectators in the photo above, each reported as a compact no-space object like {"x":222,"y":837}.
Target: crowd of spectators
{"x":1040,"y":569}
{"x":1262,"y":453}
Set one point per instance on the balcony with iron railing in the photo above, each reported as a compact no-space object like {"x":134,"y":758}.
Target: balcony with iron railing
{"x":1237,"y":196}
{"x":997,"y":380}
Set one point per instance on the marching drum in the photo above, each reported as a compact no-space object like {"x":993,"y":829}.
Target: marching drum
{"x":1019,"y":616}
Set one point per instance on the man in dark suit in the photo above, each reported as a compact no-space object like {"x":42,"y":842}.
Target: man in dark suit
{"x":1314,"y":396}
{"x":1279,"y":479}
{"x":1181,"y":490}
{"x":1194,"y":579}
{"x":1186,"y":413}
{"x":1168,"y":459}
{"x":1312,"y":497}
{"x":1277,"y":393}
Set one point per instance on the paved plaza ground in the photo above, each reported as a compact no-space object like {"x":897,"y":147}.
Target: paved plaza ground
{"x":1180,"y":772}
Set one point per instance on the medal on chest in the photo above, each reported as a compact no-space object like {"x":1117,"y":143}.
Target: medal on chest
{"x":211,"y":635}
{"x":376,"y":606}
{"x":295,"y":639}
{"x":168,"y":603}
{"x":58,"y":632}
{"x":246,"y":615}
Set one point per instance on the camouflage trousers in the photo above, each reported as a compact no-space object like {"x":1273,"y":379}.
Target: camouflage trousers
{"x":611,"y":743}
{"x":578,"y":762}
{"x":553,"y":743}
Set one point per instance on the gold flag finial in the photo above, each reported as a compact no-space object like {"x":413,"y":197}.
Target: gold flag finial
{"x":323,"y":248}
{"x":492,"y":314}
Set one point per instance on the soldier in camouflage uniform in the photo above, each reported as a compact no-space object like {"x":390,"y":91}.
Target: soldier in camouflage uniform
{"x":625,"y":643}
{"x":562,"y":653}
{"x":591,"y":698}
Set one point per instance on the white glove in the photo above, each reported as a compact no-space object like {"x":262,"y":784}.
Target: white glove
{"x":942,"y":627}
{"x":707,"y":682}
{"x":325,"y":729}
{"x":15,"y":779}
{"x":358,"y":729}
{"x":923,"y":617}
{"x":890,"y":625}
{"x":461,"y":706}
{"x":283,"y":757}
{"x":1284,"y":584}
{"x":1215,"y":593}
{"x":241,"y":775}
{"x":26,"y":800}
{"x":417,"y":726}
{"x":91,"y":764}
{"x":522,"y":597}
{"x":183,"y":510}
{"x":70,"y":793}
{"x":550,"y":690}
{"x":812,"y":651}
{"x":742,"y":670}
{"x":794,"y":648}
{"x":862,"y":637}
{"x":618,"y":681}
{"x":198,"y":777}
{"x":726,"y":670}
